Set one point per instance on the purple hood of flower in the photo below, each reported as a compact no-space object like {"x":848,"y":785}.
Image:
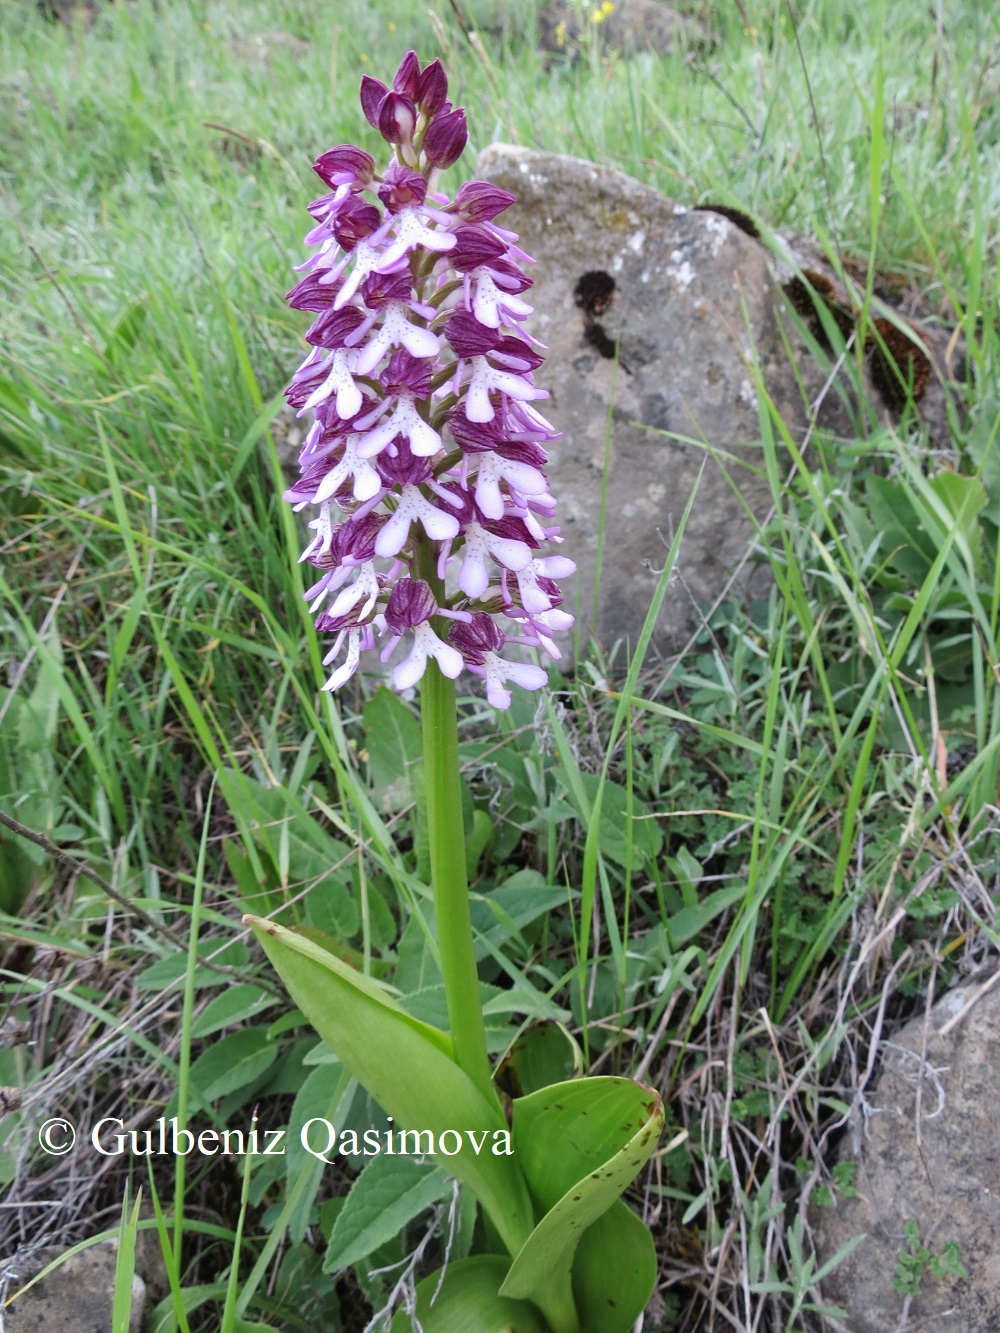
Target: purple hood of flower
{"x":426,"y":452}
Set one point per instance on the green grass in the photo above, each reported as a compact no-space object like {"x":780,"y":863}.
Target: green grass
{"x":787,"y":781}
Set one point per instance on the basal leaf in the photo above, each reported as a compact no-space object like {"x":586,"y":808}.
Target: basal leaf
{"x":543,"y":1054}
{"x":579,"y":1144}
{"x":404,"y":1064}
{"x":614,"y":1271}
{"x":468,"y":1302}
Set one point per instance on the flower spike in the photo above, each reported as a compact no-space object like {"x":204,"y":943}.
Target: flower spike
{"x":426,"y":452}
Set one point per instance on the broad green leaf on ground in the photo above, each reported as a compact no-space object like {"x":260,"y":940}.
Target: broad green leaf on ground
{"x":405,"y":1065}
{"x":647,"y":838}
{"x":232,"y":1063}
{"x":232,"y":1006}
{"x":430,"y":1005}
{"x":395,"y":749}
{"x":167,"y":972}
{"x":389,"y":1193}
{"x":689,"y":922}
{"x":326,"y":1095}
{"x":301,"y":849}
{"x":614,"y":1271}
{"x":29,"y":780}
{"x":467,"y":1302}
{"x":579,"y":1144}
{"x":313,"y":1101}
{"x":503,"y":913}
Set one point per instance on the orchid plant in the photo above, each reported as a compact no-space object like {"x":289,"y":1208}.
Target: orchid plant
{"x":424,"y":464}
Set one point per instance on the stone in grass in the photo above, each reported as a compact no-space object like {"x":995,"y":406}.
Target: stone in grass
{"x":686,"y":297}
{"x":948,"y":1183}
{"x":630,"y":26}
{"x":76,"y":1297}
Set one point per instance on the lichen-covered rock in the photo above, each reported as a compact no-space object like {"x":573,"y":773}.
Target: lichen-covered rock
{"x":688,"y":300}
{"x":947,"y":1181}
{"x":76,"y":1297}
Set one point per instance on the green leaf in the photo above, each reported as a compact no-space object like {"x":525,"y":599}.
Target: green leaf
{"x":389,"y":1193}
{"x":313,"y":1100}
{"x":121,"y":1308}
{"x":327,"y":1094}
{"x":543,"y":1054}
{"x":301,"y":848}
{"x":405,"y":1065}
{"x":964,"y":498}
{"x":906,"y":544}
{"x":614,"y":1271}
{"x":231,"y":1007}
{"x":689,"y":922}
{"x":475,"y":842}
{"x":468,"y":1302}
{"x":580,"y":1145}
{"x":395,"y":749}
{"x":330,"y":908}
{"x":647,"y":837}
{"x":166,"y":972}
{"x":502,"y":914}
{"x":232,"y":1063}
{"x":983,"y":442}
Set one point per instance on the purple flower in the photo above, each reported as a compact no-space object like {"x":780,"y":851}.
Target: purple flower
{"x":479,"y":201}
{"x":346,"y":165}
{"x":425,"y":441}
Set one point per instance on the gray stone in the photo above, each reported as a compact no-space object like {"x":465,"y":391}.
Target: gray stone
{"x":631,"y":26}
{"x":948,"y":1181}
{"x":686,"y":296}
{"x":76,"y":1297}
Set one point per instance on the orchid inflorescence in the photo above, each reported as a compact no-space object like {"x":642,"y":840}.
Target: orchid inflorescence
{"x":425,"y":458}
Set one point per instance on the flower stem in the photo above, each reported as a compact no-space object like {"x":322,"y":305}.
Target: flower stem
{"x":446,"y":833}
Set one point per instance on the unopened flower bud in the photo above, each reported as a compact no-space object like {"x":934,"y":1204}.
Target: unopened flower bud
{"x":407,"y":77}
{"x":445,"y":139}
{"x":432,"y":89}
{"x":373,"y":94}
{"x":397,"y":118}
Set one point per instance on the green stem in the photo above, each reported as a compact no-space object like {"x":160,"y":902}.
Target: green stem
{"x":446,"y":834}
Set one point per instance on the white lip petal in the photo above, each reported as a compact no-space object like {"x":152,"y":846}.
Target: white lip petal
{"x":449,"y":659}
{"x":424,"y":439}
{"x":511,"y":552}
{"x":523,"y":477}
{"x":392,"y":538}
{"x":367,"y":482}
{"x":474,"y":578}
{"x":495,"y":692}
{"x":348,"y":399}
{"x":525,"y":674}
{"x":420,"y":342}
{"x":438,"y":525}
{"x":411,"y":669}
{"x":557,"y":566}
{"x":534,"y":599}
